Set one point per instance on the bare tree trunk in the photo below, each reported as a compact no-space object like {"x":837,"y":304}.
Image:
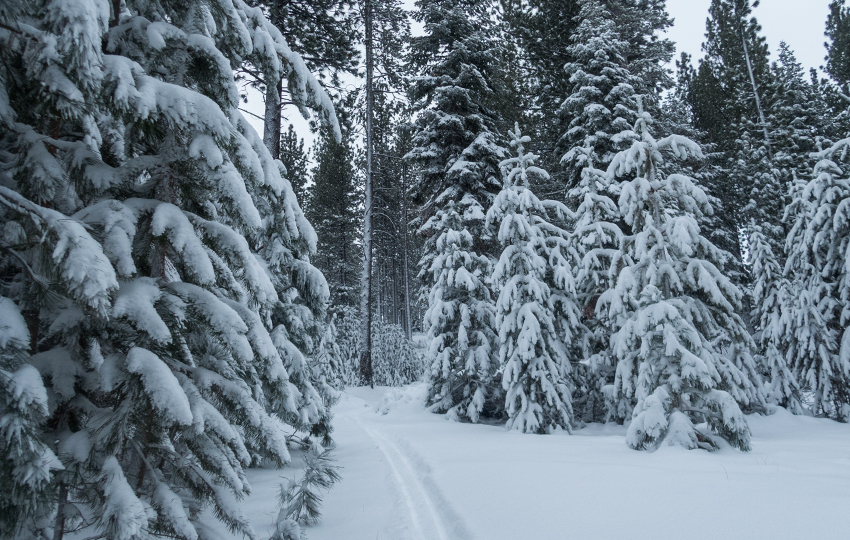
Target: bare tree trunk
{"x":756,"y":94}
{"x":404,"y":247}
{"x":395,"y":288}
{"x":59,"y":522}
{"x":366,"y":278}
{"x":271,"y":124}
{"x":379,"y":310}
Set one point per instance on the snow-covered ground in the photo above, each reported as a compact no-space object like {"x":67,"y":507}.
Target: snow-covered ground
{"x":410,"y":474}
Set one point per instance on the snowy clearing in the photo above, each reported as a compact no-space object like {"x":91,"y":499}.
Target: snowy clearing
{"x":410,"y":474}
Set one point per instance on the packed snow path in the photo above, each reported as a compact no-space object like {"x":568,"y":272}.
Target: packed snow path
{"x":412,"y":475}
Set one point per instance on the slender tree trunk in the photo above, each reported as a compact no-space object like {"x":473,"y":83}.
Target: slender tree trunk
{"x":271,"y":124}
{"x":380,"y":296}
{"x":59,"y":522}
{"x":395,"y":288}
{"x":756,"y":94}
{"x":366,"y":279}
{"x":404,"y":247}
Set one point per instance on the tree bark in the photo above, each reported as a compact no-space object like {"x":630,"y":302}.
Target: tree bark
{"x":366,"y":277}
{"x":271,"y":124}
{"x":404,"y":247}
{"x":59,"y":522}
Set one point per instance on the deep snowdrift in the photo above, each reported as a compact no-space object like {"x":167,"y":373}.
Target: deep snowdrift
{"x":410,"y":474}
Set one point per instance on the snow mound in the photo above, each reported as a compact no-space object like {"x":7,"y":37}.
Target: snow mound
{"x":407,"y":398}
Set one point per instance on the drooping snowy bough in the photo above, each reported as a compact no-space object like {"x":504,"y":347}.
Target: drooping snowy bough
{"x":678,"y":338}
{"x":157,"y":291}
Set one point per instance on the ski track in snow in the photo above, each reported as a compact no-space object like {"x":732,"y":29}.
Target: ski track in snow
{"x":431,"y":513}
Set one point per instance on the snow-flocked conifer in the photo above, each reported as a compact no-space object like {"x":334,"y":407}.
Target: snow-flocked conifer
{"x":597,"y":241}
{"x":455,"y":145}
{"x":26,"y":462}
{"x":150,"y":244}
{"x":816,"y":315}
{"x":678,"y":336}
{"x":600,"y":107}
{"x":771,"y":295}
{"x":536,"y":314}
{"x":460,"y":320}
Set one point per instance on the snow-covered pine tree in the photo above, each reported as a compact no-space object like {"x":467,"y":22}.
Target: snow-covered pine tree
{"x":145,"y":228}
{"x":455,"y":146}
{"x":817,"y":312}
{"x":536,"y":313}
{"x":678,"y":335}
{"x":600,"y":107}
{"x":597,"y":241}
{"x":771,"y":294}
{"x":460,"y":320}
{"x":797,"y":118}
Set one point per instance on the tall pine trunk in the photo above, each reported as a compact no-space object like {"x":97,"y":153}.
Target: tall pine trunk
{"x":404,"y":247}
{"x":366,"y":276}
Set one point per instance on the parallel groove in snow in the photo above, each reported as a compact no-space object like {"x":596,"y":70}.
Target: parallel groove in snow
{"x":439,"y":521}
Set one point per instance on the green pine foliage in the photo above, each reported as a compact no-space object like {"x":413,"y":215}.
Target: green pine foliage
{"x":295,"y":160}
{"x":838,"y":44}
{"x":301,"y":500}
{"x":333,"y":202}
{"x":455,"y":146}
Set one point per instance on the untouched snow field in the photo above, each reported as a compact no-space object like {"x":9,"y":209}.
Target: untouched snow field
{"x":412,"y":475}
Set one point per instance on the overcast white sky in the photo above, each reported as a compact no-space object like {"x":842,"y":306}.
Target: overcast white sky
{"x":800,"y":23}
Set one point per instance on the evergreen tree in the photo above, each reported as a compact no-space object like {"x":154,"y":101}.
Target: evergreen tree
{"x":725,"y":96}
{"x":152,"y":248}
{"x":721,"y":225}
{"x":541,"y":28}
{"x":816,"y":313}
{"x":455,"y":146}
{"x":838,"y":44}
{"x":641,"y":24}
{"x":27,"y":460}
{"x":536,"y":314}
{"x":460,"y":321}
{"x":596,"y":240}
{"x":333,"y":207}
{"x":771,"y":296}
{"x":678,"y":338}
{"x":796,"y":117}
{"x":294,"y":159}
{"x":600,"y":105}
{"x":323,"y":33}
{"x":545,"y":31}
